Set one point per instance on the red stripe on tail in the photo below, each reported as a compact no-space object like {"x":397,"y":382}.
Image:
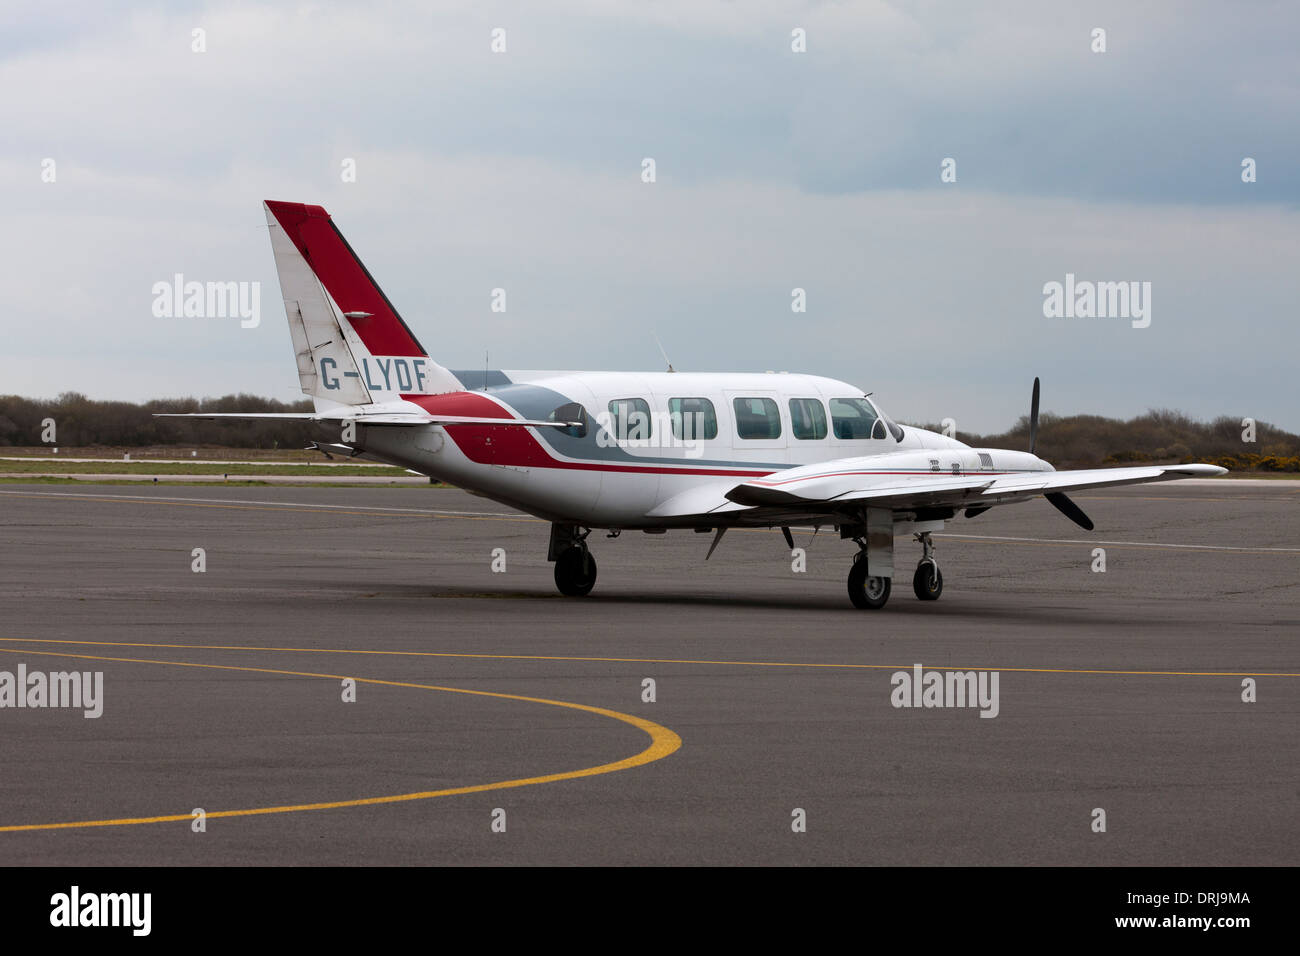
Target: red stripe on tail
{"x":346,"y":278}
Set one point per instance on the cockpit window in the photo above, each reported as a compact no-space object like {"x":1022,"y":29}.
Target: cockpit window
{"x":853,"y":418}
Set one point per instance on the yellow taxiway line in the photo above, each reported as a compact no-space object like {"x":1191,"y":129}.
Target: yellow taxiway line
{"x":623,"y":660}
{"x":663,"y":742}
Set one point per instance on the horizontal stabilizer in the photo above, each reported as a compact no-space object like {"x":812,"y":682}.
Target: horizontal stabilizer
{"x":381,"y":418}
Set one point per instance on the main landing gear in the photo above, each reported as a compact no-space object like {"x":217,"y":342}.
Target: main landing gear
{"x":575,"y":568}
{"x":866,"y":591}
{"x":870,"y":591}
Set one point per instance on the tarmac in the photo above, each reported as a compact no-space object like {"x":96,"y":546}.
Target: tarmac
{"x":496,"y":722}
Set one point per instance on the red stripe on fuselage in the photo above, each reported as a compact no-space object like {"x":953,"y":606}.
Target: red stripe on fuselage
{"x":516,"y":447}
{"x":345,"y":277}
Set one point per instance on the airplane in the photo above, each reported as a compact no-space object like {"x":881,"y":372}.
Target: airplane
{"x":649,"y":452}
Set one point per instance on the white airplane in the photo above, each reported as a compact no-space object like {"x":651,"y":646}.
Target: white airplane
{"x":622,"y":451}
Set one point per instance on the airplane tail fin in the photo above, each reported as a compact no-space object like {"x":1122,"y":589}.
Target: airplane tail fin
{"x":351,"y":344}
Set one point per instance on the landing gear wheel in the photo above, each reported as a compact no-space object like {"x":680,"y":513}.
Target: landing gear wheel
{"x":575,"y":572}
{"x":927,"y":582}
{"x":867,"y":592}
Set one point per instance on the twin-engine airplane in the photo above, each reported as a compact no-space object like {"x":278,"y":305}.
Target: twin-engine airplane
{"x":646,"y":452}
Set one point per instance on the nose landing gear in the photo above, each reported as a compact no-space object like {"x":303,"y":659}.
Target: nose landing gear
{"x":927,"y":582}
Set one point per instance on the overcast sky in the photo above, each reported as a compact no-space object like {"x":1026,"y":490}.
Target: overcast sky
{"x":775,"y":170}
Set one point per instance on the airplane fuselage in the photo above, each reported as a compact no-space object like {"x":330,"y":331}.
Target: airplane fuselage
{"x":655,"y":436}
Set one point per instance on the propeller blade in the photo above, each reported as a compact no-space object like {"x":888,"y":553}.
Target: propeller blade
{"x":789,"y":538}
{"x":1068,"y":508}
{"x":1033,"y":418}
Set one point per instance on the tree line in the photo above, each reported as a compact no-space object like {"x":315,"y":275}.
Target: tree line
{"x":80,"y":421}
{"x":1160,"y":436}
{"x":1074,"y":441}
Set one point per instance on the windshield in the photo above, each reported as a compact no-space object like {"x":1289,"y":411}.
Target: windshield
{"x":853,"y":418}
{"x":882,"y":425}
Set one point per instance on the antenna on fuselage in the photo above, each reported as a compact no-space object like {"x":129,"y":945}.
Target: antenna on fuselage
{"x":663,"y":353}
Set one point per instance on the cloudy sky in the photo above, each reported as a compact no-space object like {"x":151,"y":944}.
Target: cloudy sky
{"x":774,"y":170}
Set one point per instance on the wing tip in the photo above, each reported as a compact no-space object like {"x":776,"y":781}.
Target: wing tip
{"x":1198,"y":470}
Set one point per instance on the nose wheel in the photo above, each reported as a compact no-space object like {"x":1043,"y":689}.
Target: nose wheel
{"x":927,"y":582}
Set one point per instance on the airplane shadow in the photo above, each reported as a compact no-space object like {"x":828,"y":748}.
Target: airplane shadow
{"x":961,"y":608}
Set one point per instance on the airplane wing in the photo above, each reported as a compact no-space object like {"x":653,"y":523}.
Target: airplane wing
{"x":845,"y":486}
{"x":387,"y":418}
{"x":1060,"y":481}
{"x":823,"y":484}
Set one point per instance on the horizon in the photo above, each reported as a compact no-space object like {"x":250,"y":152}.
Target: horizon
{"x":1046,"y":415}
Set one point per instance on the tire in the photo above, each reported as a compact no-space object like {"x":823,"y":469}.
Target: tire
{"x":575,"y":572}
{"x":867,"y":592}
{"x":927,"y":582}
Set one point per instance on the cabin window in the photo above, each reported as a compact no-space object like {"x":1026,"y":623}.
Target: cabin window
{"x":807,"y":418}
{"x":693,"y":419}
{"x":853,"y":418}
{"x":757,"y":418}
{"x":629,"y":419}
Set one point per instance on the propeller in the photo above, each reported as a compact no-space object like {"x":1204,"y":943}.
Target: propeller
{"x":1060,"y":501}
{"x":1033,"y":418}
{"x":1068,"y":508}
